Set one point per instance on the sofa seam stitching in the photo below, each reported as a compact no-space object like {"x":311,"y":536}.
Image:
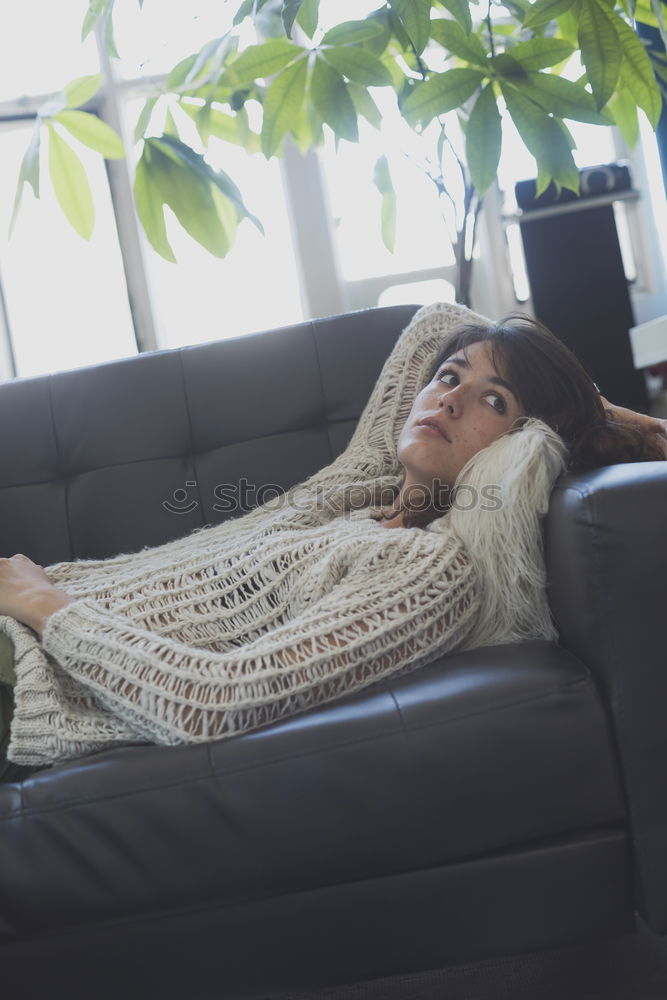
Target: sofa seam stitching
{"x":580,"y":682}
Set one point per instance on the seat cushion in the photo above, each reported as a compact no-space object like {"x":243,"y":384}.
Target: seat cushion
{"x":482,"y":753}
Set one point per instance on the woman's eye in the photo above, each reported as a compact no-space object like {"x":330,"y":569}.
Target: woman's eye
{"x":497,"y":402}
{"x":448,"y":376}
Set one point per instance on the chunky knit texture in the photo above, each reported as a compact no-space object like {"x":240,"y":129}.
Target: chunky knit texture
{"x":294,"y":604}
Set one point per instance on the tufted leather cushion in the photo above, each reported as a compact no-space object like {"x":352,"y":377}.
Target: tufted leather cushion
{"x":465,"y":758}
{"x":89,"y":458}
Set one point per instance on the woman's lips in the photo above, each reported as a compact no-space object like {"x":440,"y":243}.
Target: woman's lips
{"x":431,"y":427}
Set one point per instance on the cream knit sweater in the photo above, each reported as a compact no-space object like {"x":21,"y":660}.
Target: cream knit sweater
{"x":294,"y":604}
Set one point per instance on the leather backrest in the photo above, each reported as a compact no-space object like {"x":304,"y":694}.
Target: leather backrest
{"x":119,"y":456}
{"x":606,"y":545}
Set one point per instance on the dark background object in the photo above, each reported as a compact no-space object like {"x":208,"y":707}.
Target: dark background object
{"x":577,"y":280}
{"x":652,"y":39}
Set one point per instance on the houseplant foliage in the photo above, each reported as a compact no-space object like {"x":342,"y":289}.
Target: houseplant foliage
{"x":543,"y":63}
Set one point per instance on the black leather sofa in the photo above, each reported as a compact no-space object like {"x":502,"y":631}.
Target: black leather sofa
{"x":503,"y":800}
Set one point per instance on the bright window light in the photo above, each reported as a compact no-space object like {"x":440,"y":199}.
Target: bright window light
{"x":422,"y":237}
{"x":152,"y":40}
{"x":40,"y":47}
{"x":256,"y":287}
{"x":66,"y":298}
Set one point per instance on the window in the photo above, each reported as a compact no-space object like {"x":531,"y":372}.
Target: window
{"x":66,"y":303}
{"x":65,"y":299}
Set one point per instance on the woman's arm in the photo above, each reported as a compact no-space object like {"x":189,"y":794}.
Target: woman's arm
{"x":27,"y":594}
{"x":371,"y":625}
{"x":653,"y":426}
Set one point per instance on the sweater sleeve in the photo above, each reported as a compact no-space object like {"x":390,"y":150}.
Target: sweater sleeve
{"x":373,"y":623}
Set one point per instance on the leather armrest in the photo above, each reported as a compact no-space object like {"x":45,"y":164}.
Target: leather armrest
{"x":606,"y":548}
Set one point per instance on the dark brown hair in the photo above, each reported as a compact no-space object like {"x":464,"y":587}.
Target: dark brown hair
{"x":552,"y":384}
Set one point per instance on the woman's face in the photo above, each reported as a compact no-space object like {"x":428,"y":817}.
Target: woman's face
{"x":465,"y":407}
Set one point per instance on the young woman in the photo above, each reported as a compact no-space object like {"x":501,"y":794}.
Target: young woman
{"x":305,"y":600}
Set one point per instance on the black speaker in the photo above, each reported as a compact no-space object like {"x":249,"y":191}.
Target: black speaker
{"x":577,"y":280}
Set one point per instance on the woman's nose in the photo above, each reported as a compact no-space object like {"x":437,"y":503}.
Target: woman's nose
{"x":452,"y":401}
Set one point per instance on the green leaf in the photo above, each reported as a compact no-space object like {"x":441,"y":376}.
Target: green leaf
{"x":452,"y":37}
{"x":190,"y":198}
{"x":484,"y":140}
{"x":170,"y":126}
{"x":441,"y":93}
{"x":184,"y":155}
{"x":352,"y":32}
{"x":245,"y":10}
{"x":267,"y":19}
{"x":150,"y":208}
{"x":543,"y":11}
{"x":415,"y":18}
{"x":263,"y":61}
{"x":70,"y":184}
{"x":226,"y":213}
{"x":306,"y":130}
{"x":308,"y":16}
{"x":381,"y":21}
{"x":519,"y":9}
{"x":203,"y":57}
{"x":624,"y":109}
{"x":79,"y":91}
{"x":560,"y":97}
{"x":538,"y":53}
{"x":383,"y":182}
{"x":358,"y":65}
{"x":282,"y":103}
{"x":601,"y":51}
{"x":201,"y":116}
{"x":543,"y":182}
{"x":88,"y":24}
{"x":332,"y":101}
{"x":208,"y":62}
{"x":637,"y":73}
{"x":288,"y":13}
{"x":396,"y":72}
{"x":97,"y":9}
{"x":29,"y":171}
{"x":543,"y":138}
{"x":93,"y":132}
{"x":230,"y":128}
{"x":365,"y":105}
{"x":144,"y":118}
{"x":566,"y":132}
{"x":657,"y":6}
{"x":179,"y":73}
{"x":568,"y":27}
{"x":460,"y":11}
{"x":108,"y":35}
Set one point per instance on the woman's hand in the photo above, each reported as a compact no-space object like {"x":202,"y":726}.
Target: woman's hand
{"x":27,"y":594}
{"x":649,"y":425}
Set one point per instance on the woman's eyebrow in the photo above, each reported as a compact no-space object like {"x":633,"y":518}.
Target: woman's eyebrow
{"x":495,"y":379}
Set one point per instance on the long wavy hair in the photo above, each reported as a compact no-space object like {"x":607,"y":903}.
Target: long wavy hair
{"x":554,"y":386}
